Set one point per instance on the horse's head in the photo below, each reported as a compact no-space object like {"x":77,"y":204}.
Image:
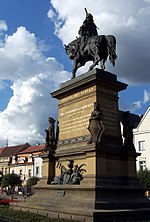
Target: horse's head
{"x":70,"y":50}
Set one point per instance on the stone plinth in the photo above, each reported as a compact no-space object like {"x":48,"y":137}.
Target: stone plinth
{"x":110,"y":168}
{"x":110,"y":190}
{"x":76,"y":99}
{"x":76,"y":103}
{"x":48,"y":168}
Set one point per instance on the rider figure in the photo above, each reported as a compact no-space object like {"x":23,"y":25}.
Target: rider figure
{"x":88,"y":29}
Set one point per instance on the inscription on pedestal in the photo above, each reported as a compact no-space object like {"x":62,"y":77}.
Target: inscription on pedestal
{"x":111,"y":119}
{"x":75,"y":119}
{"x":110,"y":116}
{"x":74,"y":113}
{"x":77,"y":95}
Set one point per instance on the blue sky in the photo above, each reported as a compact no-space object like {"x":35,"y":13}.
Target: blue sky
{"x":33,"y":61}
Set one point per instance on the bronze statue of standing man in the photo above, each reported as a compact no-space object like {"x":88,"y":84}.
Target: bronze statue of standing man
{"x":50,"y":135}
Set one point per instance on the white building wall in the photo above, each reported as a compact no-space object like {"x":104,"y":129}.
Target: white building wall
{"x":142,"y":135}
{"x":145,"y":153}
{"x":38,"y":167}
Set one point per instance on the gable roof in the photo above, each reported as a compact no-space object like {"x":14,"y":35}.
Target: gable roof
{"x":33,"y":149}
{"x":13,"y":150}
{"x":145,"y":121}
{"x":1,"y":151}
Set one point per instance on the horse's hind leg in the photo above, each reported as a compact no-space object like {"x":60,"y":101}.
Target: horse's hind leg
{"x":93,"y":65}
{"x":96,"y":58}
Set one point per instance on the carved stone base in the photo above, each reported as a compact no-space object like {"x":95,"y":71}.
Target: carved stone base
{"x":78,"y":202}
{"x":110,"y":190}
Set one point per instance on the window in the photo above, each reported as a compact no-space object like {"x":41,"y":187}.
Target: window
{"x":37,"y":170}
{"x":142,"y":165}
{"x":20,"y":174}
{"x":5,"y":170}
{"x":141,"y":145}
{"x":29,"y":173}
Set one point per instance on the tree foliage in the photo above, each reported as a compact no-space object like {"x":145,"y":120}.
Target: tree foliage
{"x":32,"y":181}
{"x":11,"y":180}
{"x":144,"y":177}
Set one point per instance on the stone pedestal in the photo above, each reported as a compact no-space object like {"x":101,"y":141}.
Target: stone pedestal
{"x":76,"y":102}
{"x":110,"y":168}
{"x":110,"y":186}
{"x":48,"y":168}
{"x":76,"y":99}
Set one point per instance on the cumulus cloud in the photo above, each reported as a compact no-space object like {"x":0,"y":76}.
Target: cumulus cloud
{"x":127,"y":20}
{"x":3,"y":28}
{"x":21,"y":55}
{"x":146,"y":97}
{"x":33,"y":77}
{"x":3,"y":25}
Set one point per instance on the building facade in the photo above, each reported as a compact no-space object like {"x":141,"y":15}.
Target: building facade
{"x":9,"y":154}
{"x":142,"y":142}
{"x":28,"y":163}
{"x":23,"y":160}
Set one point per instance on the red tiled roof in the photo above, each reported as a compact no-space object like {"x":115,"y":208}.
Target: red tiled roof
{"x":13,"y":150}
{"x":1,"y":150}
{"x":33,"y":149}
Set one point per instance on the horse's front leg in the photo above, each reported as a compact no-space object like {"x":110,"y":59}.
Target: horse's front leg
{"x":74,"y":69}
{"x":96,"y":58}
{"x":102,"y":64}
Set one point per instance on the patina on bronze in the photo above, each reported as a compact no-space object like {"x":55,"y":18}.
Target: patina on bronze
{"x":50,"y":143}
{"x":71,"y":176}
{"x":91,"y":47}
{"x":128,"y":131}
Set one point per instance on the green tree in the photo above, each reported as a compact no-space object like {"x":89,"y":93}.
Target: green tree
{"x":32,"y":181}
{"x":144,"y":177}
{"x":11,"y":180}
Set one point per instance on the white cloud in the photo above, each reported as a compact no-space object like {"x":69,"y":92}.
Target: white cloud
{"x":148,"y":1}
{"x":3,"y":25}
{"x":146,"y":97}
{"x":135,"y":106}
{"x":144,"y":11}
{"x":33,"y":77}
{"x":132,"y":22}
{"x":19,"y":55}
{"x":51,"y":14}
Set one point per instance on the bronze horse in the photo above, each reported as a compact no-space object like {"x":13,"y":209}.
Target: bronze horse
{"x":96,"y":49}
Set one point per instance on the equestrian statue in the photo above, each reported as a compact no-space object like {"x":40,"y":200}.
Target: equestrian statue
{"x":91,"y":47}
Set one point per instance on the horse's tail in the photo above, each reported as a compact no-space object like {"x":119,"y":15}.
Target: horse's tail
{"x":111,"y":48}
